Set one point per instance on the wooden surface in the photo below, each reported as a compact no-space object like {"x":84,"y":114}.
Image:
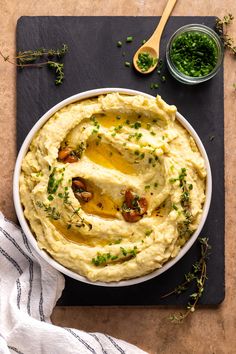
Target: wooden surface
{"x":208,"y":331}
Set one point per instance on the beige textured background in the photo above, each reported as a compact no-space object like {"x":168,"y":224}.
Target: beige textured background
{"x":208,"y":331}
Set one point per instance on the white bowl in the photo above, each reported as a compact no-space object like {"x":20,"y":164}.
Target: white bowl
{"x":25,"y":226}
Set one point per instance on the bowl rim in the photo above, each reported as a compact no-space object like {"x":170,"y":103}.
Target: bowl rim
{"x":25,"y":226}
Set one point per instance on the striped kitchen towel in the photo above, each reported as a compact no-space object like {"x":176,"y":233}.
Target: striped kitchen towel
{"x":29,"y":290}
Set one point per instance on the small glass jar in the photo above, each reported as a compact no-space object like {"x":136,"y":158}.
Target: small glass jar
{"x":201,"y":29}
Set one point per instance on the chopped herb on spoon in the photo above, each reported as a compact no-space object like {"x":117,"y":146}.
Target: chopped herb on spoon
{"x":145,"y":61}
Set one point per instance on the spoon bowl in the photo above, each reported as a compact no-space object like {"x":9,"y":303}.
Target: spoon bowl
{"x":153,"y":52}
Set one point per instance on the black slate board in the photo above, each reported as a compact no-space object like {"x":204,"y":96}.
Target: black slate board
{"x":94,"y":61}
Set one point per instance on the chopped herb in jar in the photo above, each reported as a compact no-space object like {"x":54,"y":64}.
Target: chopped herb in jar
{"x":194,"y":53}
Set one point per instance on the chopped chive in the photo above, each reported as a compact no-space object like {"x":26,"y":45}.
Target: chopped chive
{"x":142,"y":156}
{"x":129,"y":39}
{"x":145,"y":61}
{"x":127,"y":63}
{"x":119,"y":44}
{"x":163,"y":78}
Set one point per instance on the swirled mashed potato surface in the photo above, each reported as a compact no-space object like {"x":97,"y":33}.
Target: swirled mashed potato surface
{"x":113,"y":186}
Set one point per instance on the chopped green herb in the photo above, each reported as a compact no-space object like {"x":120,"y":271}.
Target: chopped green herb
{"x":148,"y":232}
{"x":113,"y":258}
{"x":154,"y":86}
{"x":127,"y":64}
{"x":129,"y":39}
{"x":119,"y":44}
{"x":118,"y":241}
{"x":53,"y":183}
{"x":194,"y":53}
{"x":138,"y":135}
{"x":142,"y":156}
{"x":145,"y":61}
{"x":118,"y":129}
{"x":136,"y":125}
{"x":101,"y":259}
{"x":163,"y":78}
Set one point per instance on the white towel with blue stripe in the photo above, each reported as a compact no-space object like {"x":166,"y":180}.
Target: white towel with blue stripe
{"x":29,"y":290}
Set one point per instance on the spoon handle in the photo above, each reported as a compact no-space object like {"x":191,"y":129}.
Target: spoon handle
{"x":155,"y":38}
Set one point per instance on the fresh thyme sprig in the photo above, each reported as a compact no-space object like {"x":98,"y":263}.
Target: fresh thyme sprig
{"x":198,"y":275}
{"x":51,"y":212}
{"x":44,"y":56}
{"x":32,"y":55}
{"x":74,"y":211}
{"x":221,"y":29}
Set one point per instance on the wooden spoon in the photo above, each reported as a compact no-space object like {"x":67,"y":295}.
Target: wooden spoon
{"x":152,"y":46}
